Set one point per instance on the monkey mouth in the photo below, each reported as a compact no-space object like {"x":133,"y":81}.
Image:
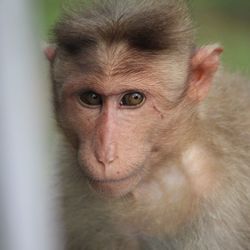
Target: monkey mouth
{"x":111,"y":180}
{"x":115,"y":187}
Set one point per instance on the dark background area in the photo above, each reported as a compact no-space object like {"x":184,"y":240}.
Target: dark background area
{"x":224,"y":21}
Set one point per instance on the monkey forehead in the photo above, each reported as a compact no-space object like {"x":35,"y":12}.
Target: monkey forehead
{"x":125,"y":65}
{"x":120,"y":59}
{"x":117,"y":59}
{"x":111,"y":69}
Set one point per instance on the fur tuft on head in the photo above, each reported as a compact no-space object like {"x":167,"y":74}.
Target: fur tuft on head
{"x":146,"y":26}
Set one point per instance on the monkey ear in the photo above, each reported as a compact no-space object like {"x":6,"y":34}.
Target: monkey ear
{"x":204,"y":64}
{"x":49,"y":51}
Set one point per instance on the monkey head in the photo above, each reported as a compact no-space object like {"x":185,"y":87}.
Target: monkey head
{"x":122,"y":89}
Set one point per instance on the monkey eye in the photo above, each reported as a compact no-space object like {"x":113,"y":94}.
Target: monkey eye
{"x":132,"y":99}
{"x":90,"y":98}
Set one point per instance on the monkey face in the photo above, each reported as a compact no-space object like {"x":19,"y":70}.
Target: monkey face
{"x":116,"y":108}
{"x":112,"y":129}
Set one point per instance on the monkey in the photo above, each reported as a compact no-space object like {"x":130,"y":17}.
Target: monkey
{"x":154,"y":134}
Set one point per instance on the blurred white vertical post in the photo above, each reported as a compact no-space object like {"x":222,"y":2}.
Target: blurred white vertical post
{"x":26,"y":214}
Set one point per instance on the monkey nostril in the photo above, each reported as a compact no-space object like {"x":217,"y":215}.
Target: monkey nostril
{"x":106,"y":154}
{"x":105,"y":158}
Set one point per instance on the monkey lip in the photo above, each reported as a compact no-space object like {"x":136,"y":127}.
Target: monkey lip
{"x":111,"y":180}
{"x":115,"y":187}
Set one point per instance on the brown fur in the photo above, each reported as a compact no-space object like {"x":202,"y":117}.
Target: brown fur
{"x":195,"y":188}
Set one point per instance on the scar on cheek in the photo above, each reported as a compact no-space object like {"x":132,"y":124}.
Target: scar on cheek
{"x":158,"y":111}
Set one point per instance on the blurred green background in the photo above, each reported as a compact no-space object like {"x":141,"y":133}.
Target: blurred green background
{"x":223,"y":21}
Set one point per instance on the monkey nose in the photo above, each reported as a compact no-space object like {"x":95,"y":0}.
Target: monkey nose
{"x":106,"y":155}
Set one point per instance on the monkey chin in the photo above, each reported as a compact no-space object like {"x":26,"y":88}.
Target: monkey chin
{"x":115,"y":188}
